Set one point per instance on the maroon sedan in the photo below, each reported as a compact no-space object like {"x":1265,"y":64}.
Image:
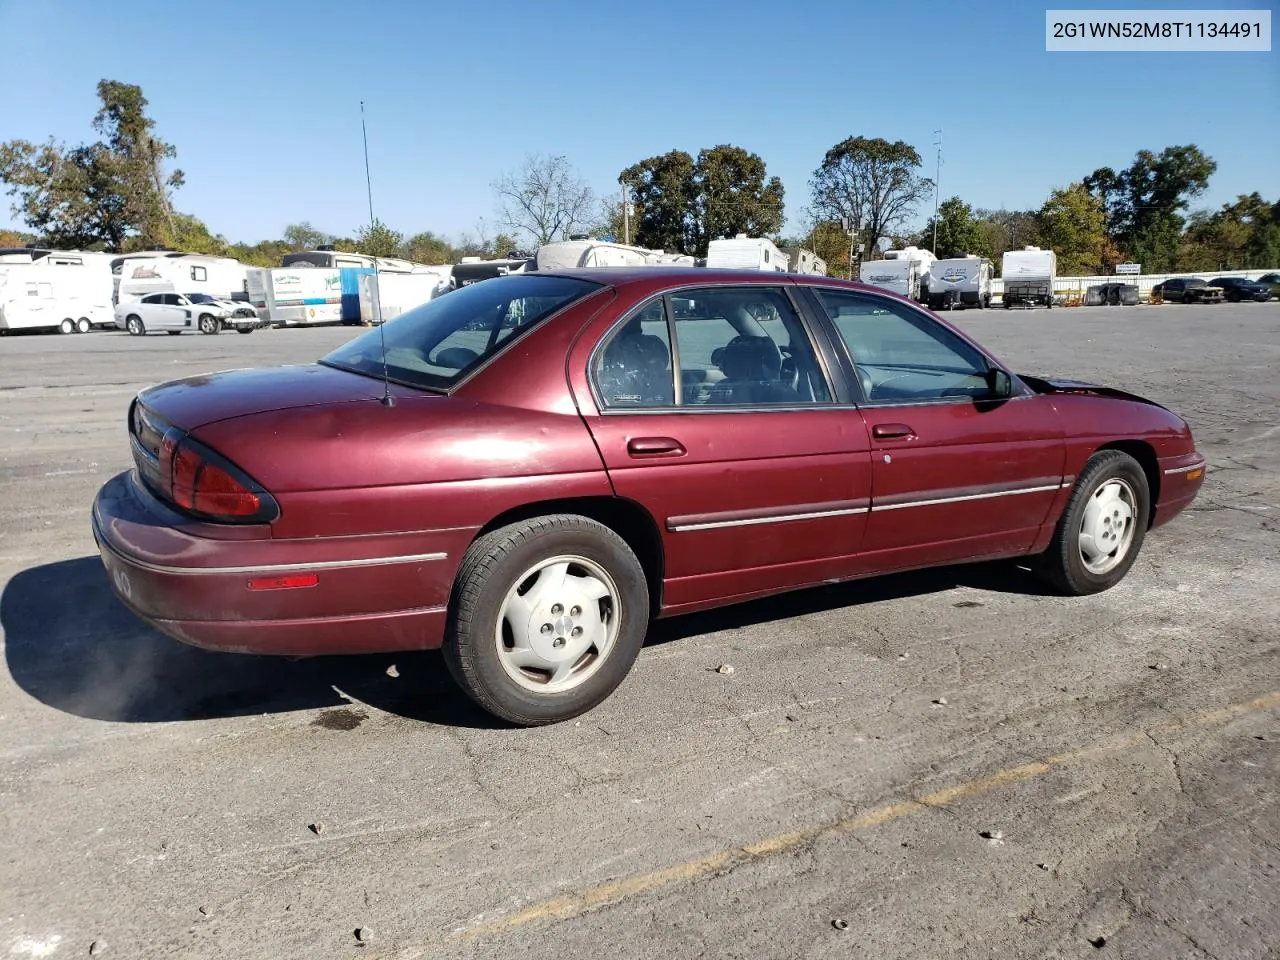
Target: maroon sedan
{"x":535,"y":466}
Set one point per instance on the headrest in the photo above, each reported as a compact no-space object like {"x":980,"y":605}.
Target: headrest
{"x":751,"y":358}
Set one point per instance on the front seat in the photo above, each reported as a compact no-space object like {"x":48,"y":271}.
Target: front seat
{"x":752,"y":369}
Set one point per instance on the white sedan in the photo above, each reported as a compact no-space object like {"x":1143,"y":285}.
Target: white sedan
{"x":176,"y":312}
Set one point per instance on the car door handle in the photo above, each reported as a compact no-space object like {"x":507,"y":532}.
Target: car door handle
{"x":655,"y":447}
{"x":892,"y":431}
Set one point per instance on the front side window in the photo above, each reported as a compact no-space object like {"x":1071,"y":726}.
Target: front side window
{"x":736,"y":346}
{"x":436,"y":344}
{"x":901,"y":356}
{"x":171,"y":300}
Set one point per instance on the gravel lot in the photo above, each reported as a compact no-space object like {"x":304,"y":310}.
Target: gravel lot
{"x":943,"y":764}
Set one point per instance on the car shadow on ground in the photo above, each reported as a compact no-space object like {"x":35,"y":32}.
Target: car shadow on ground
{"x":72,"y":645}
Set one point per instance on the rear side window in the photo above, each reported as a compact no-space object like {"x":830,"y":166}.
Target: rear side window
{"x":435,"y":345}
{"x":735,"y":346}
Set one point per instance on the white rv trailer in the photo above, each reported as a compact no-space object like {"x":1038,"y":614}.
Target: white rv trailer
{"x":805,"y":261}
{"x":329,"y":259}
{"x":1028,"y":276}
{"x":589,"y":252}
{"x":138,"y":275}
{"x":289,"y":296}
{"x":384,"y":296}
{"x":69,"y":299}
{"x":959,"y":282}
{"x":901,"y":271}
{"x":746,"y":253}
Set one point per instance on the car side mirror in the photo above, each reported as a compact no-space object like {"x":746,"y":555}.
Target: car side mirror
{"x":999,"y":383}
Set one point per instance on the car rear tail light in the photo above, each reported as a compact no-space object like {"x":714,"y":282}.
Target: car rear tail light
{"x":208,"y":486}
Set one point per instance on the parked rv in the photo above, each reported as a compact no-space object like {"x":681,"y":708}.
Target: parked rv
{"x":68,"y":299}
{"x":138,"y":275}
{"x":959,"y":282}
{"x":746,"y":253}
{"x":335,"y":259}
{"x":804,"y":261}
{"x":1028,"y":277}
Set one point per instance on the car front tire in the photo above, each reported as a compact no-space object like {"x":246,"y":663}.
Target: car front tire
{"x":1101,"y":531}
{"x":210,"y":325}
{"x":133,"y":323}
{"x":546,"y":618}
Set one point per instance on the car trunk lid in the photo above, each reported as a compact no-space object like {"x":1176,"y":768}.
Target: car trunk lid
{"x":198,"y":401}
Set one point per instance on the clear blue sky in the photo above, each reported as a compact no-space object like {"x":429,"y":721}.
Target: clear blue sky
{"x":262,"y":99}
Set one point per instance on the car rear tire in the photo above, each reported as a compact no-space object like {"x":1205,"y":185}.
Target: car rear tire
{"x":210,"y":325}
{"x":133,"y":323}
{"x":83,"y":325}
{"x":67,"y":326}
{"x":546,"y":618}
{"x":1101,"y":531}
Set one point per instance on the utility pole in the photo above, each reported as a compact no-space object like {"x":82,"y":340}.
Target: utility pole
{"x":937,"y":187}
{"x":626,"y":217}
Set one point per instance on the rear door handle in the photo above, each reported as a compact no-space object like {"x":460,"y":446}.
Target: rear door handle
{"x":892,"y":431}
{"x":655,"y":447}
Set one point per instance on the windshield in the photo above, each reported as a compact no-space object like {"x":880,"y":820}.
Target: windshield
{"x":436,"y":344}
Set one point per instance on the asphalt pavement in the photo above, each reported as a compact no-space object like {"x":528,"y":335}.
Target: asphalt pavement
{"x":942,"y":764}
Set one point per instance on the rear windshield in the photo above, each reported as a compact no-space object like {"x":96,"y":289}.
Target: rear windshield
{"x":435,"y":345}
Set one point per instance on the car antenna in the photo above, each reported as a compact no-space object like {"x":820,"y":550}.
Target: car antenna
{"x":387,"y":399}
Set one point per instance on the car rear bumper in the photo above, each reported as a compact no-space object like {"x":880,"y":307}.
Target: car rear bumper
{"x":1180,"y":481}
{"x":231,"y":594}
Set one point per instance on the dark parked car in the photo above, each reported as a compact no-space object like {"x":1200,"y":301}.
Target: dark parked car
{"x":1237,"y":289}
{"x":554,"y":459}
{"x":1187,"y":290}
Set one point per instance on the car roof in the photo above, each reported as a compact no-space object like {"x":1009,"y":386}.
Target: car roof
{"x":664,"y":277}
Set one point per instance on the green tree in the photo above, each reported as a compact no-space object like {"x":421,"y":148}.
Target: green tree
{"x":267,"y":253}
{"x":1073,"y":225}
{"x":303,"y":236}
{"x":379,"y":240}
{"x":1239,"y":235}
{"x":1145,"y":201}
{"x":1001,"y":230}
{"x":191,"y":235}
{"x":871,"y":183}
{"x":102,"y":194}
{"x":957,"y":233}
{"x":734,"y":195}
{"x":664,"y":196}
{"x":681,"y":203}
{"x":427,"y":247}
{"x":544,"y":200}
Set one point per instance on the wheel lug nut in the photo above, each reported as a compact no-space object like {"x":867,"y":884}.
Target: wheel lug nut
{"x":547,"y":628}
{"x":556,"y":610}
{"x":575,"y":611}
{"x":558,"y":642}
{"x":575,"y":632}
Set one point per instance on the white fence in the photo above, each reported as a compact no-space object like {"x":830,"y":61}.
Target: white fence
{"x":1072,"y":287}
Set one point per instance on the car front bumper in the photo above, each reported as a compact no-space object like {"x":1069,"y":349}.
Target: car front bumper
{"x":197,"y":588}
{"x":1180,"y":480}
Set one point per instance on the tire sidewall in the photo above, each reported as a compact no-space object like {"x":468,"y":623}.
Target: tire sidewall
{"x":471,"y":635}
{"x":1103,"y":467}
{"x":133,"y":324}
{"x":208,"y":324}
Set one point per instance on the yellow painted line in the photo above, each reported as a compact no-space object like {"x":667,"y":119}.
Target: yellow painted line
{"x":593,"y":898}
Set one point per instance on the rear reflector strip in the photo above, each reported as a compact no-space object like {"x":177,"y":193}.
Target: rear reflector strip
{"x":291,"y":582}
